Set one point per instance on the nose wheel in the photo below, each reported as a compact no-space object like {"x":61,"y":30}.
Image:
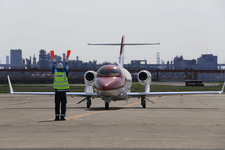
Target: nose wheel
{"x":107,"y":101}
{"x":106,"y":105}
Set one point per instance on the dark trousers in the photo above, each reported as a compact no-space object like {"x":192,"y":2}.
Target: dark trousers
{"x":60,"y":97}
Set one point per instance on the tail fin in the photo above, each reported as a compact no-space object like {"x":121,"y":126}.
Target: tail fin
{"x":121,"y":47}
{"x":121,"y":58}
{"x":10,"y":85}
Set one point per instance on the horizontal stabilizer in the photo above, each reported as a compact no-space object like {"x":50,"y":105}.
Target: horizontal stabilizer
{"x":116,"y":44}
{"x":122,"y":44}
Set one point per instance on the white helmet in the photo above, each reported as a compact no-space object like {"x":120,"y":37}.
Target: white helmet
{"x":59,"y":66}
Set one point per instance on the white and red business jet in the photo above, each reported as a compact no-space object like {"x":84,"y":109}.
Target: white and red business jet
{"x":113,"y":83}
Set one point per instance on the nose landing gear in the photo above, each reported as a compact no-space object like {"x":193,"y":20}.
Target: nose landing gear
{"x":106,"y":105}
{"x":107,"y":101}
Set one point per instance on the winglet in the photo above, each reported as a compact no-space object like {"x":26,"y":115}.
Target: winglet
{"x":10,"y":85}
{"x":223,"y":87}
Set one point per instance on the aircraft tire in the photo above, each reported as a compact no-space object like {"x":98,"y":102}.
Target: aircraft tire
{"x":144,"y":106}
{"x":106,"y":105}
{"x":143,"y":103}
{"x":88,"y":103}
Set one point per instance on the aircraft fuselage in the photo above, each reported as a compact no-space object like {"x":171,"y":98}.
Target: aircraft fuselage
{"x":113,"y":83}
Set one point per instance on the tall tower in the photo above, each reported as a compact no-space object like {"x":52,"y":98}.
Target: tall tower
{"x":7,"y":60}
{"x":16,"y":58}
{"x":158,"y":57}
{"x":43,"y":60}
{"x":64,"y":57}
{"x":34,"y":60}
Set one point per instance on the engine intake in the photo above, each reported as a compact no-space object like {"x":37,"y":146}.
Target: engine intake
{"x":89,"y":78}
{"x":144,"y":77}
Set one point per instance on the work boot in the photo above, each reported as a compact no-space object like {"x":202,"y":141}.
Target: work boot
{"x":63,"y":118}
{"x":56,"y":118}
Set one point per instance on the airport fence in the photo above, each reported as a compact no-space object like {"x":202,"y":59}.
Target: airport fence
{"x":76,"y":75}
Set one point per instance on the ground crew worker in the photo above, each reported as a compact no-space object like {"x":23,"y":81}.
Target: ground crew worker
{"x":61,"y":86}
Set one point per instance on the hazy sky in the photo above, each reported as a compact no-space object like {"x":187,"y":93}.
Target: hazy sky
{"x":183,"y":27}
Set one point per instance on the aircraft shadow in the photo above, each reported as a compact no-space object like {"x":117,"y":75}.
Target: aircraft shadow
{"x":150,"y":108}
{"x":118,"y":108}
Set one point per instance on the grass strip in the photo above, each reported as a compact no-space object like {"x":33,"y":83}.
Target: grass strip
{"x":4,"y":88}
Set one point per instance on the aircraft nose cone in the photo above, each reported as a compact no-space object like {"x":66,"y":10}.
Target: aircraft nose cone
{"x":110,"y":83}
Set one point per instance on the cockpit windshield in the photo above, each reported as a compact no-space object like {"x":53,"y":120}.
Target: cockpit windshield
{"x":114,"y":72}
{"x":102,"y":72}
{"x":109,"y":71}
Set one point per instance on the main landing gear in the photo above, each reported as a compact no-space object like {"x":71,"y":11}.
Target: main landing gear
{"x":88,"y":101}
{"x":143,"y":101}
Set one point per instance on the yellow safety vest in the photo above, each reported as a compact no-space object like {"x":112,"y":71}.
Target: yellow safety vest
{"x":60,"y":81}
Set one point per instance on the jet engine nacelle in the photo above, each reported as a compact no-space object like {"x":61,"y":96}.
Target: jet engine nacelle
{"x":144,"y":77}
{"x":89,"y":78}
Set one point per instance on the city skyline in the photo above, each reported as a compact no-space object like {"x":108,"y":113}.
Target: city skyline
{"x":189,"y":28}
{"x":77,"y":57}
{"x":205,"y":62}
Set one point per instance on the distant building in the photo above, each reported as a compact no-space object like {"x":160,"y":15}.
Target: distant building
{"x":64,"y":58}
{"x":138,"y":63}
{"x":28,"y":62}
{"x":44,"y":62}
{"x":16,"y":58}
{"x":7,"y":60}
{"x":76,"y":63}
{"x":181,"y":64}
{"x":158,"y":58}
{"x":58,"y":58}
{"x":34,"y":60}
{"x":207,"y":62}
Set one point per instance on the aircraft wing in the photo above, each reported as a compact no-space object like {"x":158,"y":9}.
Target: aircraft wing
{"x":78,"y":94}
{"x":133,"y":94}
{"x":139,"y":94}
{"x":33,"y":93}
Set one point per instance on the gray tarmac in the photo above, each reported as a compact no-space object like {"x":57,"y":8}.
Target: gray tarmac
{"x":173,"y":122}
